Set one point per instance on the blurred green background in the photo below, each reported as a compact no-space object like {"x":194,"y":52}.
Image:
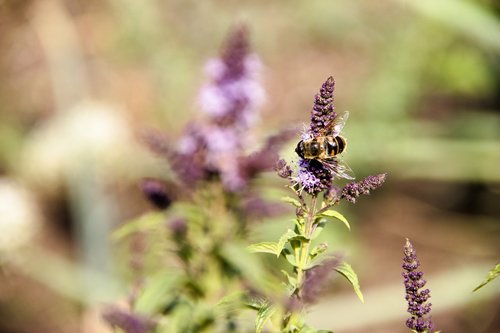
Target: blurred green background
{"x":81,"y":79}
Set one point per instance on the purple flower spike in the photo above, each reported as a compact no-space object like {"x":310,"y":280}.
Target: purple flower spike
{"x":234,"y":93}
{"x":323,"y":110}
{"x":313,"y":177}
{"x":353,"y":190}
{"x":413,"y":281}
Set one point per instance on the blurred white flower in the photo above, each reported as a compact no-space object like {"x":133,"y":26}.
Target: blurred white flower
{"x":91,"y":133}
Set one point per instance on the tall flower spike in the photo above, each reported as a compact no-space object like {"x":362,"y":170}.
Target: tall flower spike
{"x":417,"y":298}
{"x":232,"y":96}
{"x":230,"y":100}
{"x":313,"y":177}
{"x":323,"y":110}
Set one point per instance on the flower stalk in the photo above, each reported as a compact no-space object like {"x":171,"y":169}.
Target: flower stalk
{"x":314,"y":176}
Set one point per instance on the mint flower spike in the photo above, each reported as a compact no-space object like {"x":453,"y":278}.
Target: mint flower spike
{"x":313,"y":177}
{"x":417,"y":298}
{"x":354,"y":190}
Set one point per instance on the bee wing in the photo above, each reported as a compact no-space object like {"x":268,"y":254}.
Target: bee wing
{"x":336,"y":126}
{"x":339,"y":168}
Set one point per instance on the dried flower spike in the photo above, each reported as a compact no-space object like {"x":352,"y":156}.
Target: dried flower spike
{"x":417,"y":298}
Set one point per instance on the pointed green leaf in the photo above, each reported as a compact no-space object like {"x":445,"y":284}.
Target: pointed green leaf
{"x":231,"y":303}
{"x":283,"y":240}
{"x":264,"y":247}
{"x":159,"y":291}
{"x":346,"y":270}
{"x":292,"y":201}
{"x":265,"y":312}
{"x":493,"y":273}
{"x":337,"y":215}
{"x":141,"y":223}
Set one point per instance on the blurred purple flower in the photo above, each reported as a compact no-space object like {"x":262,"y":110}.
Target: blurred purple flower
{"x":256,"y":207}
{"x":355,"y":189}
{"x":416,"y":298}
{"x":316,"y":278}
{"x":217,"y":148}
{"x":283,"y":169}
{"x":234,"y":93}
{"x":127,"y":321}
{"x":156,"y":192}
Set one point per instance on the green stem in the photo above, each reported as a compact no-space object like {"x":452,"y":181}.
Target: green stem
{"x":303,"y":259}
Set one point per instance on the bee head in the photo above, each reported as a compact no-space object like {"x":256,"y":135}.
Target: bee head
{"x":300,"y":149}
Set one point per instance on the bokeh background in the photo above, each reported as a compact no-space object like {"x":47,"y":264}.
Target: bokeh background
{"x":81,"y":79}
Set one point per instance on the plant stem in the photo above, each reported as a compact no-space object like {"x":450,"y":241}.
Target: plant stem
{"x":303,"y":259}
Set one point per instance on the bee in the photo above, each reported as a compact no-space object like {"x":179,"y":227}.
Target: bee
{"x":327,"y":147}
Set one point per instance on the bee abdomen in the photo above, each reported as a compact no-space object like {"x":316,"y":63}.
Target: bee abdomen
{"x":335,"y":145}
{"x":341,"y":143}
{"x":331,"y":146}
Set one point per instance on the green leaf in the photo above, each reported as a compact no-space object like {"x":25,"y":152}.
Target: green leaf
{"x":159,"y":291}
{"x":292,"y":201}
{"x":317,"y":250}
{"x":141,"y":223}
{"x":232,"y":302}
{"x":337,"y":215}
{"x":291,"y":280}
{"x":319,"y":226}
{"x":264,"y":247}
{"x":346,"y":270}
{"x":492,"y":274}
{"x":283,"y":240}
{"x":247,"y":265}
{"x":290,"y":257}
{"x":265,"y":312}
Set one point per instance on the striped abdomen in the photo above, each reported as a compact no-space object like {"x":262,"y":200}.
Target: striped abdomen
{"x":334,"y":145}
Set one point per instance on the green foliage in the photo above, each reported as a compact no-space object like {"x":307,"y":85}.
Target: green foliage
{"x":160,"y":291}
{"x":264,"y":313}
{"x":492,"y":274}
{"x":333,"y":213}
{"x":301,"y":253}
{"x":346,"y":271}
